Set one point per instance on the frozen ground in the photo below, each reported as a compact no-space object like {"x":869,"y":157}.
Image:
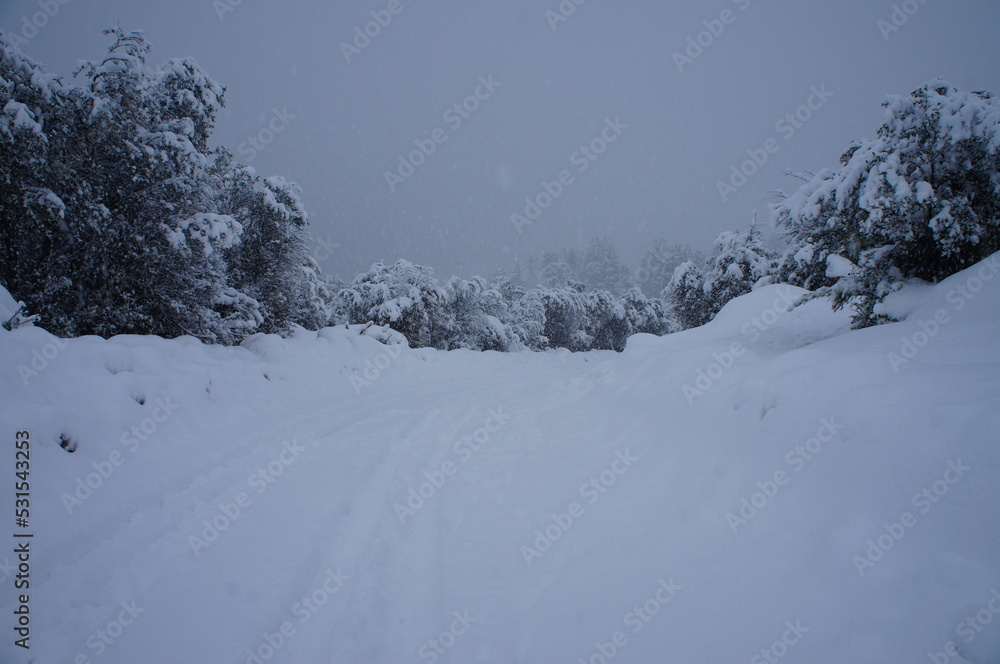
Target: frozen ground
{"x":771,"y":487}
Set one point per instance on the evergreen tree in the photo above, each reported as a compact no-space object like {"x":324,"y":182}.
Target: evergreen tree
{"x":402,"y":296}
{"x":607,"y":326}
{"x":271,"y":263}
{"x":155,"y":263}
{"x":526,"y":315}
{"x":645,"y":315}
{"x":922,"y":200}
{"x":117,"y":216}
{"x":556,"y":272}
{"x":689,"y":303}
{"x":601,"y":268}
{"x":35,"y":234}
{"x":740,"y":260}
{"x":476,"y":313}
{"x":565,"y":318}
{"x":658,"y":265}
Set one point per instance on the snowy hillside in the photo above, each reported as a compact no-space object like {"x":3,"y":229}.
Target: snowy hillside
{"x":769,"y":487}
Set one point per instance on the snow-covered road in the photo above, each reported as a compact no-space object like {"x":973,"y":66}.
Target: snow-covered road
{"x":778,"y":490}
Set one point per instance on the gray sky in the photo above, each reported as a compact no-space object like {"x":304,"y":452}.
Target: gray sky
{"x":558,"y":89}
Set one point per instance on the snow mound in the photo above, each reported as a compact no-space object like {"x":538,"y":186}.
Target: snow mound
{"x":770,"y":484}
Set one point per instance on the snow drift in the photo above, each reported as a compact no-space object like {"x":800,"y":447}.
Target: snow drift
{"x":771,"y":485}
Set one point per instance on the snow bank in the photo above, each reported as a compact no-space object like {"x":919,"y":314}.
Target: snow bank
{"x":772,"y":484}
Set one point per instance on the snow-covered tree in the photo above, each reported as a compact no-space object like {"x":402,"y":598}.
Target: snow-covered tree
{"x":525,"y":315}
{"x":646,"y":315}
{"x":34,"y":230}
{"x":271,"y":263}
{"x":157,"y":263}
{"x":601,"y":269}
{"x":657,"y":266}
{"x":922,"y":200}
{"x":401,"y":296}
{"x":477,"y":314}
{"x":688,"y":301}
{"x":738,"y":262}
{"x":606,"y":321}
{"x":116,"y":215}
{"x":556,"y":271}
{"x":565,"y":318}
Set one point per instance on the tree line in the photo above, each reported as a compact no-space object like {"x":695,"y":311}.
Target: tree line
{"x":116,"y":216}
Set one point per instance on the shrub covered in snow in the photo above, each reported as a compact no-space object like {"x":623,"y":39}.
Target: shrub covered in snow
{"x":478,"y":315}
{"x":922,"y":200}
{"x":116,"y":216}
{"x":738,"y":263}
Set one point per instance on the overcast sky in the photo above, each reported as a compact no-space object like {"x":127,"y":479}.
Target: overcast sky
{"x":608,"y":71}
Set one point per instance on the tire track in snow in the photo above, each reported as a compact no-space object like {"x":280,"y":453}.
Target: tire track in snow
{"x":405,"y":564}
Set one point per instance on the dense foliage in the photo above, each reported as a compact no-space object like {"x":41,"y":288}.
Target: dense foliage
{"x":116,"y":216}
{"x":499,"y":316}
{"x":922,"y":200}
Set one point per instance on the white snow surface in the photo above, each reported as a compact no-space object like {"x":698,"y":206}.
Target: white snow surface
{"x":626,"y":484}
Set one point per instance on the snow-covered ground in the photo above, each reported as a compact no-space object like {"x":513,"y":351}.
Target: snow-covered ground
{"x":770,"y":487}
